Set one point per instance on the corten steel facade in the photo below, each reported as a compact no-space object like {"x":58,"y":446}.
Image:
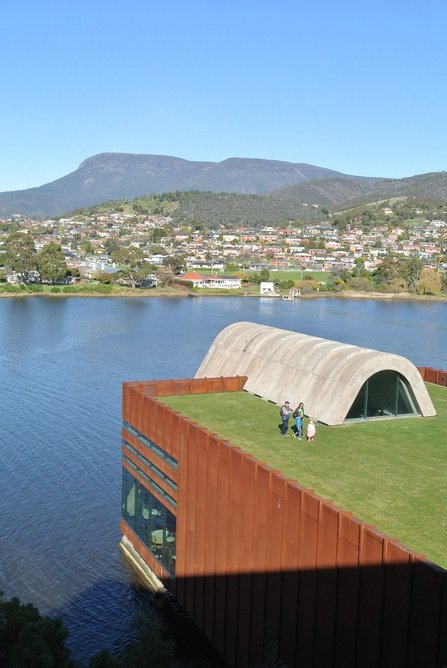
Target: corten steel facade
{"x":269,"y":571}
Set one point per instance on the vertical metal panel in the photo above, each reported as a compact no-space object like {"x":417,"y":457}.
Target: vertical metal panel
{"x":182,"y":508}
{"x":233,"y":555}
{"x":274,"y":548}
{"x":425,"y":613}
{"x":190,"y":500}
{"x":347,"y":590}
{"x":215,"y":384}
{"x":290,"y":578}
{"x":212,"y":511}
{"x":247,"y":526}
{"x":442,"y":626}
{"x":397,"y":601}
{"x":372,"y":576}
{"x":222,"y":529}
{"x":259,"y":610}
{"x":161,"y":414}
{"x":204,"y":525}
{"x":307,"y":551}
{"x":326,"y":604}
{"x":198,"y":386}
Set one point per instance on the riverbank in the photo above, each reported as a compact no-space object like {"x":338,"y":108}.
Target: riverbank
{"x":177,"y":293}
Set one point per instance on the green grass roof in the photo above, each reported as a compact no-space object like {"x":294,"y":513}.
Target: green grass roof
{"x":390,"y":473}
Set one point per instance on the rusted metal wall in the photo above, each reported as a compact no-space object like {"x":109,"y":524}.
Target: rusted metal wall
{"x":271,"y":572}
{"x":436,"y":376}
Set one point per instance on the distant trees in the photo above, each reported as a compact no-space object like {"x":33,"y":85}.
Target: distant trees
{"x":397,"y":274}
{"x":51,"y":263}
{"x":429,"y":283}
{"x":165,"y":276}
{"x":175,"y":262}
{"x":133,"y":265}
{"x":20,"y":254}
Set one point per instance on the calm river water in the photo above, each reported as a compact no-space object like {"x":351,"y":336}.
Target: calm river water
{"x":62,"y":362}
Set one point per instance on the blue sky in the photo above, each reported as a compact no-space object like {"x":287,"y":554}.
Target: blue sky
{"x":356,"y":86}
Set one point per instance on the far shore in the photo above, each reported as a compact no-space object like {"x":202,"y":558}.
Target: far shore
{"x":176,"y":294}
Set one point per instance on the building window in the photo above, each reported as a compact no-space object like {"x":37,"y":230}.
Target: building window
{"x":151,"y":445}
{"x":385,"y":394}
{"x":154,"y":469}
{"x":152,"y":483}
{"x":154,"y":525}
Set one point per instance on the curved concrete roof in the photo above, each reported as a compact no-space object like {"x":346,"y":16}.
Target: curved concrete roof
{"x":325,"y":375}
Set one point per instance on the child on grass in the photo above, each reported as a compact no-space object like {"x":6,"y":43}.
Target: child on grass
{"x":310,"y":433}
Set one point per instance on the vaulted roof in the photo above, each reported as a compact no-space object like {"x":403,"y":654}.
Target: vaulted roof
{"x":326,"y":375}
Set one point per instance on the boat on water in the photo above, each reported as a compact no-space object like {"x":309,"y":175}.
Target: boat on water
{"x":292,"y":295}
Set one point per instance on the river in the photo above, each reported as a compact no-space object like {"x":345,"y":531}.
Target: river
{"x":62,"y":363}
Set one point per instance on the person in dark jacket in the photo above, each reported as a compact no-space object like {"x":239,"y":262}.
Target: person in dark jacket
{"x":285,"y":412}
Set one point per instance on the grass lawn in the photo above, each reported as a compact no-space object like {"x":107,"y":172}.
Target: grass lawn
{"x":390,"y":473}
{"x":298,"y":275}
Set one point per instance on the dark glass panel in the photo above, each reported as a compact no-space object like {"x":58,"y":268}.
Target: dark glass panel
{"x":406,"y":401}
{"x":154,"y":525}
{"x":382,"y":394}
{"x":385,"y":394}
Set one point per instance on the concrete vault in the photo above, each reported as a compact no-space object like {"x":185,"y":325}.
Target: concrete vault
{"x":331,"y":378}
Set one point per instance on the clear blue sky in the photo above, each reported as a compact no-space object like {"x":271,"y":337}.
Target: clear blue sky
{"x":353,"y":85}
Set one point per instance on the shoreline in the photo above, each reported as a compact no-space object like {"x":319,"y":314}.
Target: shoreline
{"x":389,"y":296}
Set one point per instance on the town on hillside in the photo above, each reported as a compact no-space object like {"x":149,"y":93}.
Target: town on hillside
{"x":386,"y":247}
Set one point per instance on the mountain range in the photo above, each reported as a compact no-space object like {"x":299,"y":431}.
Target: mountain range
{"x":117,"y":176}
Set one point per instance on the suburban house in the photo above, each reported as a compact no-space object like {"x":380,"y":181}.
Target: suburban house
{"x":209,"y":281}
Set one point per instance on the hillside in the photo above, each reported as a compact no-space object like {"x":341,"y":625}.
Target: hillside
{"x":113,"y":176}
{"x":338,"y":194}
{"x":234,"y":190}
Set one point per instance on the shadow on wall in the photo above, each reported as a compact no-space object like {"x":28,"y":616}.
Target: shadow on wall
{"x":366,"y":617}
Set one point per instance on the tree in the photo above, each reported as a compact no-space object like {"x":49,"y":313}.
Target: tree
{"x":110,"y":245}
{"x":87,"y":247}
{"x":409,"y":269}
{"x":51,"y":263}
{"x":359,"y":270}
{"x":429,"y":283}
{"x":165,"y":275}
{"x":385,"y":272}
{"x":176,"y":262}
{"x":20,"y":254}
{"x":157,"y":234}
{"x":29,"y":639}
{"x":104,"y":277}
{"x":132,"y":263}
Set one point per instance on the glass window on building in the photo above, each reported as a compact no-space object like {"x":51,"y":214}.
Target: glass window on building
{"x":154,"y":524}
{"x":385,"y":394}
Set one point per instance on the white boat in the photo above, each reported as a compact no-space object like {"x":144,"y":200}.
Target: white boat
{"x":293,"y":294}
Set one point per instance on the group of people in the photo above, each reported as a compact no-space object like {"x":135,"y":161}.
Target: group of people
{"x":298,"y":414}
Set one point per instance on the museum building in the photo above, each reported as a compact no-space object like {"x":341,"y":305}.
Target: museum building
{"x":268,"y":570}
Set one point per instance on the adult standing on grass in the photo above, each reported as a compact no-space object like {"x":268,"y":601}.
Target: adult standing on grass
{"x":285,"y":413}
{"x":298,"y":414}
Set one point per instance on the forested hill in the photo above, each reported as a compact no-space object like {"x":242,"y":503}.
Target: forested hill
{"x":247,"y":188}
{"x":113,"y":176}
{"x":339,"y":194}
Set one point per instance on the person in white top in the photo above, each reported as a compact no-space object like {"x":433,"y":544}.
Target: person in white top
{"x":310,"y":433}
